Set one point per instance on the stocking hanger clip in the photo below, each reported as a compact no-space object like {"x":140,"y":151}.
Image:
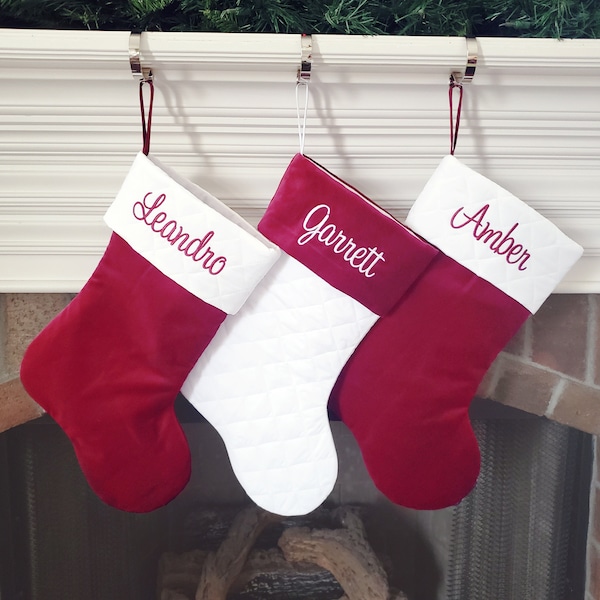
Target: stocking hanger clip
{"x":305,"y":58}
{"x":457,"y":80}
{"x":466,"y":76}
{"x":144,"y":75}
{"x":138,"y":70}
{"x":302,"y":81}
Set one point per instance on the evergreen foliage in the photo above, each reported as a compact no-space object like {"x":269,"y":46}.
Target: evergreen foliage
{"x":535,"y":18}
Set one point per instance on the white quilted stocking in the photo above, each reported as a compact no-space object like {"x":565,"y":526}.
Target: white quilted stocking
{"x":265,"y":379}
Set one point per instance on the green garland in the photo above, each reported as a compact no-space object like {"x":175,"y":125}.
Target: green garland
{"x":532,"y":18}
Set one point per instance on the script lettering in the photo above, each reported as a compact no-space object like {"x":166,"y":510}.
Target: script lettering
{"x":317,"y":226}
{"x":498,"y":241}
{"x":197,"y":249}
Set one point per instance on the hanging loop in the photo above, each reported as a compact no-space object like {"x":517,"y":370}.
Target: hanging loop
{"x":146,"y":121}
{"x":301,"y":111}
{"x":302,"y":84}
{"x":457,"y":80}
{"x":454,"y":127}
{"x":144,"y":75}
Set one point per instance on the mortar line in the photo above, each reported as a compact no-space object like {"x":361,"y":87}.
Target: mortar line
{"x":555,"y":397}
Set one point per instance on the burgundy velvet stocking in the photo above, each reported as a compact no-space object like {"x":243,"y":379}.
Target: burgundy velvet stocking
{"x":406,"y":390}
{"x":108,"y":368}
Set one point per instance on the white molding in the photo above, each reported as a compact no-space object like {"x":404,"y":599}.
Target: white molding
{"x":225,"y":117}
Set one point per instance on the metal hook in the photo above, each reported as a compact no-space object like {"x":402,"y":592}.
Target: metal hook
{"x":305,"y":58}
{"x":137,"y":69}
{"x":460,"y":78}
{"x":302,"y":80}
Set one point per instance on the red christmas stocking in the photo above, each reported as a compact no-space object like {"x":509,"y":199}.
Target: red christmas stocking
{"x":406,"y":390}
{"x":108,"y":368}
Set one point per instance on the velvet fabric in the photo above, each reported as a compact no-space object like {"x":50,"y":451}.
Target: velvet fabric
{"x":108,"y":369}
{"x":343,"y":236}
{"x":406,"y":390}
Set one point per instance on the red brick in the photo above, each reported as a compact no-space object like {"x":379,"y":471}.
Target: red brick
{"x":26,"y":316}
{"x":486,"y":385}
{"x":16,"y":406}
{"x":559,"y":334}
{"x":593,"y":571}
{"x":517,"y":344}
{"x":596,"y":309}
{"x":520,"y":385}
{"x":2,"y":334}
{"x":579,"y":407}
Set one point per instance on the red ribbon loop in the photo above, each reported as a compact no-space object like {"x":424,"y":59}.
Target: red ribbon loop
{"x":454,"y":127}
{"x":146,"y":123}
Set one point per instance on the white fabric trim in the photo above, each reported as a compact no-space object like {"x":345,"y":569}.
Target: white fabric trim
{"x":189,"y":235}
{"x":492,"y":233}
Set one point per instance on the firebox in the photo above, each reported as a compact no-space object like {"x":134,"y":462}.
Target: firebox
{"x":520,"y":534}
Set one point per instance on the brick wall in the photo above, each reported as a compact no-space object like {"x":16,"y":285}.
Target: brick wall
{"x":551,"y":368}
{"x":22,"y":316}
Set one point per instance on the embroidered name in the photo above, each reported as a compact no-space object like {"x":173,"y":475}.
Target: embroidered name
{"x":197,"y":249}
{"x":316,"y":226}
{"x":498,"y":241}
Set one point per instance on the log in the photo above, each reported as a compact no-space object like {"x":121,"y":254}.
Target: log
{"x":263,"y":573}
{"x":222,"y":567}
{"x":171,"y":595}
{"x":205,"y":527}
{"x":267,"y":574}
{"x":344,"y":552}
{"x":178,"y":574}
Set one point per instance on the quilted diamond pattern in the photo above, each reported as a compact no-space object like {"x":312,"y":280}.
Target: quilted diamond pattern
{"x":247,"y":253}
{"x":264,"y":383}
{"x":528,"y":279}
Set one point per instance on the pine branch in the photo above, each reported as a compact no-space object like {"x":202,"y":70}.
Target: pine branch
{"x":353,"y":17}
{"x":539,"y":18}
{"x":547,"y":18}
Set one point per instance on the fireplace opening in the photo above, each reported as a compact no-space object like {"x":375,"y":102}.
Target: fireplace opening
{"x":520,"y":534}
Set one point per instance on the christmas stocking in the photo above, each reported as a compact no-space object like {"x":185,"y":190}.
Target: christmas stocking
{"x":108,"y":368}
{"x":265,"y":380}
{"x":405,"y":392}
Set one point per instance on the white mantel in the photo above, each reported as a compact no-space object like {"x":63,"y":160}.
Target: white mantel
{"x":225,"y":116}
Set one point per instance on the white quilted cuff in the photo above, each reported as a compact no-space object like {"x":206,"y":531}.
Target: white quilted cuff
{"x":492,"y":233}
{"x":189,"y":235}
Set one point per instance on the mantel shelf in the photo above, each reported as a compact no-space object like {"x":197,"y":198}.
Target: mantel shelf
{"x":225,"y":117}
